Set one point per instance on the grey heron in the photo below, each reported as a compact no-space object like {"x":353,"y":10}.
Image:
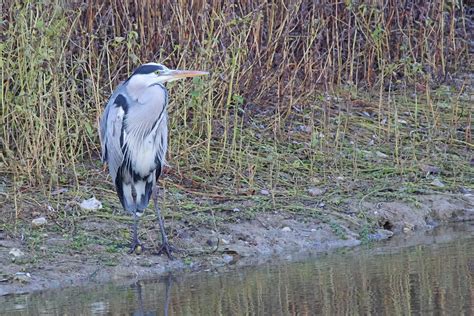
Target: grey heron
{"x":134,"y":140}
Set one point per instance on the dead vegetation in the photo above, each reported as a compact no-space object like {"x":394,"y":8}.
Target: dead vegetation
{"x":357,"y":99}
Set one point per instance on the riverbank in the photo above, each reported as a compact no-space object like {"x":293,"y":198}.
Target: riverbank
{"x":315,"y":129}
{"x":44,"y":257}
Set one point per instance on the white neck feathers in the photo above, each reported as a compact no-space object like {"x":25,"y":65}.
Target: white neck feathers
{"x":138,"y":83}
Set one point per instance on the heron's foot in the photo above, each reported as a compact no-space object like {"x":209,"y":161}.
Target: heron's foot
{"x":168,"y":249}
{"x":136,"y":247}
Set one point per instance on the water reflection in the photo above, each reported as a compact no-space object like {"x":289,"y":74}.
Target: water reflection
{"x":434,"y":277}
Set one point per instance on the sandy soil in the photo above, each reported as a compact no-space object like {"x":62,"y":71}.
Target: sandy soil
{"x":229,"y":244}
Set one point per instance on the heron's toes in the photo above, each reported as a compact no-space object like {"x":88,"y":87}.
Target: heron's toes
{"x":168,"y":249}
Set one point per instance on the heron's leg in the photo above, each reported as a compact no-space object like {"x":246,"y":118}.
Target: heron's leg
{"x":140,"y":298}
{"x":169,"y":284}
{"x":136,"y":245}
{"x":165,"y":246}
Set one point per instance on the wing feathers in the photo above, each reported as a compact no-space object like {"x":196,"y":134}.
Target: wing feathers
{"x":133,"y":136}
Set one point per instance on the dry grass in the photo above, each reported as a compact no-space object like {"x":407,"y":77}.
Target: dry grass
{"x":299,"y":91}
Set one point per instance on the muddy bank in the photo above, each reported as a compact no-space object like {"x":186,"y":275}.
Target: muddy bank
{"x":224,"y":245}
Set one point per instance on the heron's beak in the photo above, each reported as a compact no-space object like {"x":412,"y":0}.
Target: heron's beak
{"x":179,"y":74}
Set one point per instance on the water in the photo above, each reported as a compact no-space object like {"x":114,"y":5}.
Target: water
{"x":434,"y":276}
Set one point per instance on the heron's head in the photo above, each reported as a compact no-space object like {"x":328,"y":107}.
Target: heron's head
{"x":153,"y":73}
{"x":158,"y":73}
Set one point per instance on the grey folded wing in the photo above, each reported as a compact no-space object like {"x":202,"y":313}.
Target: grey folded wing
{"x":110,"y":132}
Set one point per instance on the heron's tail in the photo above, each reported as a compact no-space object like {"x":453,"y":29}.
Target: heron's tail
{"x":134,"y":194}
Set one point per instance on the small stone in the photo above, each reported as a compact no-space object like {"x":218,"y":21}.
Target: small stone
{"x":15,"y":252}
{"x":380,"y":154}
{"x":313,"y":229}
{"x":466,"y":191}
{"x":264,"y":192}
{"x":236,"y":210}
{"x":431,"y":223}
{"x":22,"y":277}
{"x":408,"y":228}
{"x":38,"y":222}
{"x":315,"y":191}
{"x":381,"y":234}
{"x":91,"y":204}
{"x":429,"y":169}
{"x":224,"y":241}
{"x":210,"y":242}
{"x":227,"y":258}
{"x":59,"y":191}
{"x":438,"y":183}
{"x":286,"y":229}
{"x":304,"y":128}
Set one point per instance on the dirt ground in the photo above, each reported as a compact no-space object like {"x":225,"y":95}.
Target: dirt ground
{"x":55,"y":262}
